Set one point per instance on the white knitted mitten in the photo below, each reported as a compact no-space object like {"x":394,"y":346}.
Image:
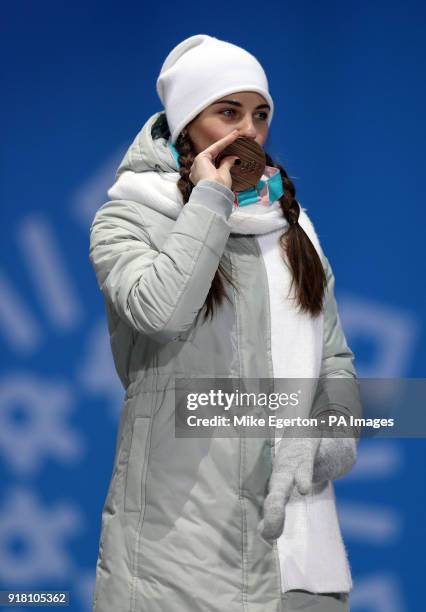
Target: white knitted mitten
{"x":302,"y":461}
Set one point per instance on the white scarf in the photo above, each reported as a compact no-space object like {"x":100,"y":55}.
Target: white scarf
{"x":159,"y":191}
{"x":311,"y":551}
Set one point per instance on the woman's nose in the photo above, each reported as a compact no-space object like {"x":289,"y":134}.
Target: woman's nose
{"x":247,"y":129}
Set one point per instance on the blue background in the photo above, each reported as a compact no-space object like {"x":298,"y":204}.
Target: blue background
{"x":78,"y":80}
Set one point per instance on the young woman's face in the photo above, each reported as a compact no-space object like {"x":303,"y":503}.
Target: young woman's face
{"x":246,"y":111}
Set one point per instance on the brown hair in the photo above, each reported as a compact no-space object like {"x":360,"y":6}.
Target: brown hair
{"x":307,"y":270}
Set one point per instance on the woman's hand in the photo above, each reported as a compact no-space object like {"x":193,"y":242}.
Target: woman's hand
{"x":203,"y":166}
{"x":292,"y":467}
{"x":302,"y":462}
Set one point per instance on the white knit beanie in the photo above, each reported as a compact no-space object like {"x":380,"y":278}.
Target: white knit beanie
{"x":200,"y":70}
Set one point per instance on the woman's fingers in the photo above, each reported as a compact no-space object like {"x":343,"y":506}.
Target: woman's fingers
{"x":293,"y":466}
{"x":203,"y":166}
{"x":227,"y":163}
{"x":274,"y":506}
{"x":214,"y":149}
{"x":272,"y":524}
{"x":304,"y":473}
{"x":303,"y":477}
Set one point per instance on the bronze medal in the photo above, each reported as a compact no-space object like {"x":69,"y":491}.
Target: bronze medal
{"x":253,"y":161}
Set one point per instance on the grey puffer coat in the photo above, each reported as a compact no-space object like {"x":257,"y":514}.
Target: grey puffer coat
{"x":179,"y":524}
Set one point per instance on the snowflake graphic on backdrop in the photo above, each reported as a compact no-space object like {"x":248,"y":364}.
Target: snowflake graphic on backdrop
{"x":34,"y":538}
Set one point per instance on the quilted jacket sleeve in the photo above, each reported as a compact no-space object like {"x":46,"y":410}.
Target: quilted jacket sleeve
{"x":159,"y":293}
{"x":337,"y":362}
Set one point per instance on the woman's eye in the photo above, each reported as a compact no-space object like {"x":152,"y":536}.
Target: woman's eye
{"x":263,"y":116}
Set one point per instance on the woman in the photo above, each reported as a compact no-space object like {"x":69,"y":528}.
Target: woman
{"x":197,"y":283}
